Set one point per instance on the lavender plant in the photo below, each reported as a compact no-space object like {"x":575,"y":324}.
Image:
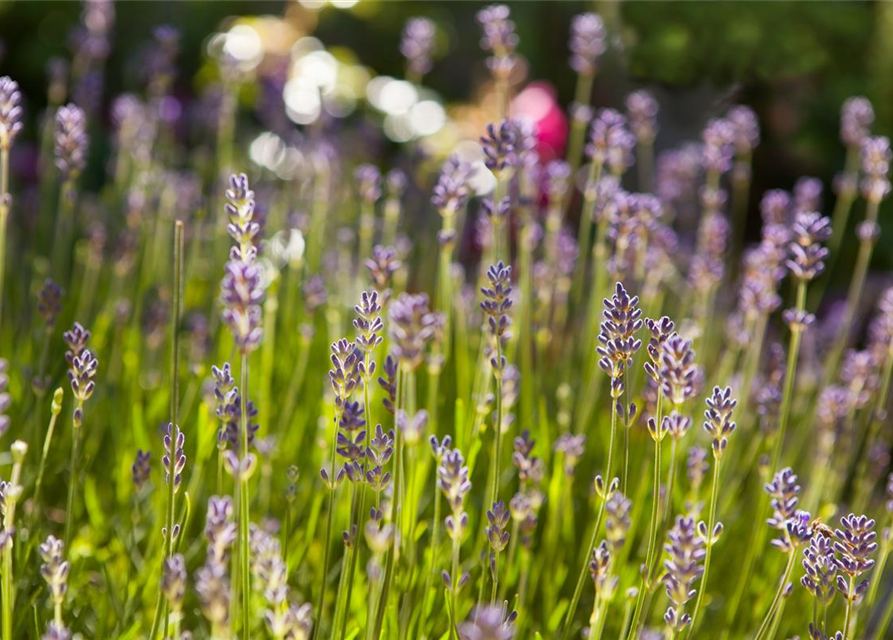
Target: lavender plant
{"x":461,"y":275}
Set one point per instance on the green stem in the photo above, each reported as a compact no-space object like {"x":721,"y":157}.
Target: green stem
{"x":73,"y":476}
{"x":578,"y":590}
{"x":655,"y":509}
{"x":711,"y":522}
{"x":4,"y":218}
{"x":790,"y":373}
{"x":244,"y":519}
{"x":764,"y":626}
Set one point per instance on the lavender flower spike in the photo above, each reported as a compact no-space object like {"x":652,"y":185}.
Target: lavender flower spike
{"x":587,"y":43}
{"x":239,"y":208}
{"x":808,"y":233}
{"x":686,"y":551}
{"x":10,"y":112}
{"x":71,"y":141}
{"x":719,"y":418}
{"x":241,"y":293}
{"x":417,"y":45}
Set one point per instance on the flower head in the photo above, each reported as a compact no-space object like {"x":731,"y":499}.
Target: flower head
{"x":642,"y":108}
{"x":417,"y":45}
{"x":488,"y":622}
{"x":677,"y":369}
{"x":746,"y":127}
{"x":10,"y":112}
{"x":685,"y":551}
{"x":623,"y":319}
{"x":854,"y":543}
{"x":876,"y":156}
{"x":610,"y":142}
{"x":242,"y":227}
{"x":820,"y":566}
{"x":856,"y":118}
{"x":451,"y":192}
{"x":719,"y":418}
{"x":807,"y":254}
{"x":241,"y":293}
{"x":71,"y":141}
{"x":412,"y":326}
{"x":587,"y":43}
{"x":141,"y":468}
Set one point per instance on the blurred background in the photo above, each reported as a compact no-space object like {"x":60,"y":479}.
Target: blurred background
{"x":794,"y":63}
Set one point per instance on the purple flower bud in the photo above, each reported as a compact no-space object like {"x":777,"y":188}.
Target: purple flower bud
{"x":587,"y":43}
{"x":368,"y":179}
{"x":241,"y":293}
{"x":808,"y":194}
{"x":746,"y":128}
{"x":499,"y":31}
{"x":623,"y":319}
{"x":412,"y":326}
{"x":808,"y":233}
{"x":71,"y":141}
{"x":10,"y":112}
{"x":451,"y":191}
{"x":876,"y":156}
{"x":775,"y":207}
{"x":610,"y":143}
{"x":719,"y":138}
{"x":417,"y":45}
{"x":140,"y":469}
{"x":642,"y":108}
{"x":719,"y":418}
{"x":685,"y":551}
{"x":856,"y":118}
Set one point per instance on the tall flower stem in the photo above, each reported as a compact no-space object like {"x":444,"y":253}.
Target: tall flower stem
{"x":329,"y":523}
{"x":776,"y":601}
{"x":582,"y":97}
{"x":55,"y":410}
{"x":73,"y":472}
{"x":655,"y":509}
{"x":5,"y":199}
{"x":19,"y":449}
{"x":497,"y":428}
{"x":790,"y":373}
{"x":854,"y":292}
{"x":244,"y":497}
{"x":884,"y":621}
{"x":358,"y":514}
{"x":711,"y":522}
{"x":585,"y":231}
{"x":389,"y":567}
{"x":581,"y":579}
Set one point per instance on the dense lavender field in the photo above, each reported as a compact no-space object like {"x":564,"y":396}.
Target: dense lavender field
{"x":315,"y":356}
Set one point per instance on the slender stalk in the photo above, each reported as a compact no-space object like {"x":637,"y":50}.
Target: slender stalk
{"x":73,"y":473}
{"x":773,"y":607}
{"x":793,"y":354}
{"x":497,"y":429}
{"x":582,"y":98}
{"x":711,"y":522}
{"x":655,"y":509}
{"x":5,"y":198}
{"x":244,"y":551}
{"x":854,"y":292}
{"x":884,"y":623}
{"x":578,"y":590}
{"x":851,"y":588}
{"x":585,"y":231}
{"x":19,"y":449}
{"x":55,"y":410}
{"x":331,"y":516}
{"x":389,"y":567}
